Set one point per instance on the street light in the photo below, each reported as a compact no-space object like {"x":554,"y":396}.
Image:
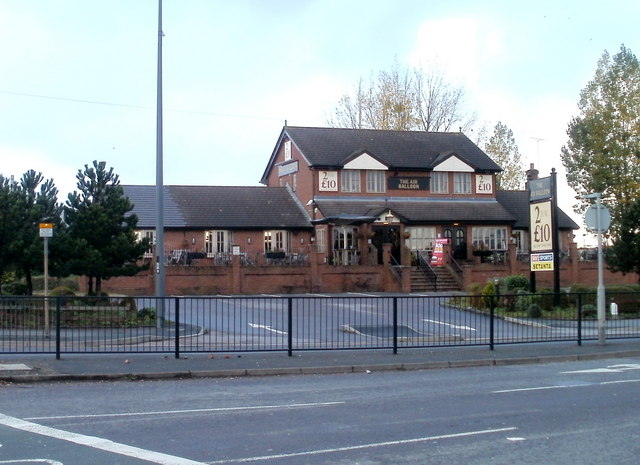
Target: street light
{"x":599,"y":227}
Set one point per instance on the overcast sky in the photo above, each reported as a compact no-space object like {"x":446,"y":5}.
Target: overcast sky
{"x":78,"y":77}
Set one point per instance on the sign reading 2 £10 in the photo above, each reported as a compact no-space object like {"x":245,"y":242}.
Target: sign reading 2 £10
{"x":541,"y":227}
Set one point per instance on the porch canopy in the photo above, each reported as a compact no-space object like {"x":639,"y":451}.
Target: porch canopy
{"x":419,"y":211}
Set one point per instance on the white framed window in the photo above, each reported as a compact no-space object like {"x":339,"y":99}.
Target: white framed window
{"x":217,"y":241}
{"x":439,"y":182}
{"x":147,"y":234}
{"x":321,"y":240}
{"x":421,"y":238}
{"x":287,"y":150}
{"x":462,"y":183}
{"x":489,"y":238}
{"x":376,"y":181}
{"x":350,"y":180}
{"x":345,"y":238}
{"x":276,"y":241}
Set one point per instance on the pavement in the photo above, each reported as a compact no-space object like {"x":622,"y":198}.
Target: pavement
{"x":29,"y":368}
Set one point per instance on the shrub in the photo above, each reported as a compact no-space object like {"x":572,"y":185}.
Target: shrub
{"x":534,"y":311}
{"x":516,"y":282}
{"x":62,"y":291}
{"x":15,"y":288}
{"x":589,"y":310}
{"x":488,"y":294}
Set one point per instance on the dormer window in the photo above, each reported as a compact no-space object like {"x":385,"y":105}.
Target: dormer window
{"x":462,"y":183}
{"x":376,"y":181}
{"x":350,"y":180}
{"x":440,"y":182}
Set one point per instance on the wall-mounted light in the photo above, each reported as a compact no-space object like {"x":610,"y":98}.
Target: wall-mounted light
{"x":193,"y":240}
{"x":302,"y":240}
{"x":388,"y":218}
{"x":248,"y":240}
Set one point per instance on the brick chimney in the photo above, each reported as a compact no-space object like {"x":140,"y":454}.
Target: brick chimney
{"x":532,"y":173}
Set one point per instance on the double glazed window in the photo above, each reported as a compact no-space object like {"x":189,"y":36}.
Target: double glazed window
{"x":276,"y":241}
{"x":421,"y":238}
{"x":147,"y":234}
{"x":462,"y":183}
{"x":350,"y":180}
{"x":217,"y":241}
{"x":488,"y":238}
{"x":376,"y":181}
{"x":440,"y":182}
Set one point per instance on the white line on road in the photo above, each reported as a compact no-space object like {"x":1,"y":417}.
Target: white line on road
{"x":466,"y":328}
{"x":266,"y":328}
{"x":609,"y":369}
{"x":364,"y":446}
{"x":95,"y":442}
{"x":566,"y":386}
{"x":19,"y":461}
{"x":202,"y":410}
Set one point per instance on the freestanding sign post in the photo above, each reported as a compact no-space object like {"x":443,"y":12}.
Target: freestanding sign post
{"x":543,"y":224}
{"x":46,"y":231}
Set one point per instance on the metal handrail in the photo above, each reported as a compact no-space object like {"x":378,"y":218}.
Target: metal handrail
{"x":425,"y":267}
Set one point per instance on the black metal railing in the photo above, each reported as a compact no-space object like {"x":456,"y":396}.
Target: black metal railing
{"x":424,"y":265}
{"x":301,"y":323}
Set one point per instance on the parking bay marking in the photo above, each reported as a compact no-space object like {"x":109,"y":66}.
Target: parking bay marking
{"x":366,"y":446}
{"x":465,"y":328}
{"x":267,"y":328}
{"x":95,"y":442}
{"x":201,"y":410}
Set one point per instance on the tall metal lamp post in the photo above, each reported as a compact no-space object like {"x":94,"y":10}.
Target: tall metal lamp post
{"x":160,"y":284}
{"x":598,"y":219}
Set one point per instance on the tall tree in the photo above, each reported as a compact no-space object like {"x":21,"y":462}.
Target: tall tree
{"x":23,"y":205}
{"x":624,"y":255}
{"x":38,"y":203}
{"x":408,"y":99}
{"x":102,"y":228}
{"x":603,"y":151}
{"x":502,"y":149}
{"x":9,"y":213}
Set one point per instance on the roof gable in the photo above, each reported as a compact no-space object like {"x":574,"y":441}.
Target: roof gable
{"x":363,"y":161}
{"x":452,"y":162}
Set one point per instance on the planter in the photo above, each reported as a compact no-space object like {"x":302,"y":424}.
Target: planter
{"x":275,"y":255}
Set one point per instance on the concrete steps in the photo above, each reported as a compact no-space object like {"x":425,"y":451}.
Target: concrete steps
{"x":445,"y":282}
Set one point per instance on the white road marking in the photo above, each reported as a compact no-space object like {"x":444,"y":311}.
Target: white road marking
{"x":365,"y":446}
{"x":466,"y":328}
{"x":609,"y":369}
{"x":14,"y":367}
{"x":267,"y":328}
{"x":47,"y":461}
{"x":95,"y":442}
{"x":202,"y":410}
{"x":516,"y":439}
{"x":566,"y":386}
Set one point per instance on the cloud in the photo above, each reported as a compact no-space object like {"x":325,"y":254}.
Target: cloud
{"x":462,"y":47}
{"x":18,"y":160}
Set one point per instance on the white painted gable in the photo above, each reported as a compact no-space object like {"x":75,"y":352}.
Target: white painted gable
{"x":453,"y":163}
{"x":365,"y":162}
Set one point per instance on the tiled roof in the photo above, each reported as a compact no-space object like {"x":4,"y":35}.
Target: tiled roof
{"x":425,"y":211}
{"x":219,"y":207}
{"x":410,"y":150}
{"x":517,"y":202}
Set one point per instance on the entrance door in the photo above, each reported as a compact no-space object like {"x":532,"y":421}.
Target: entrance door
{"x":387,"y":235}
{"x":458,"y":237}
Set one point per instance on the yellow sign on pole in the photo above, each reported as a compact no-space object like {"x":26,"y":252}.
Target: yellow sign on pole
{"x":542,"y":261}
{"x":46,"y":229}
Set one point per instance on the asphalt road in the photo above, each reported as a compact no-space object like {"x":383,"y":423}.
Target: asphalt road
{"x":578,"y":412}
